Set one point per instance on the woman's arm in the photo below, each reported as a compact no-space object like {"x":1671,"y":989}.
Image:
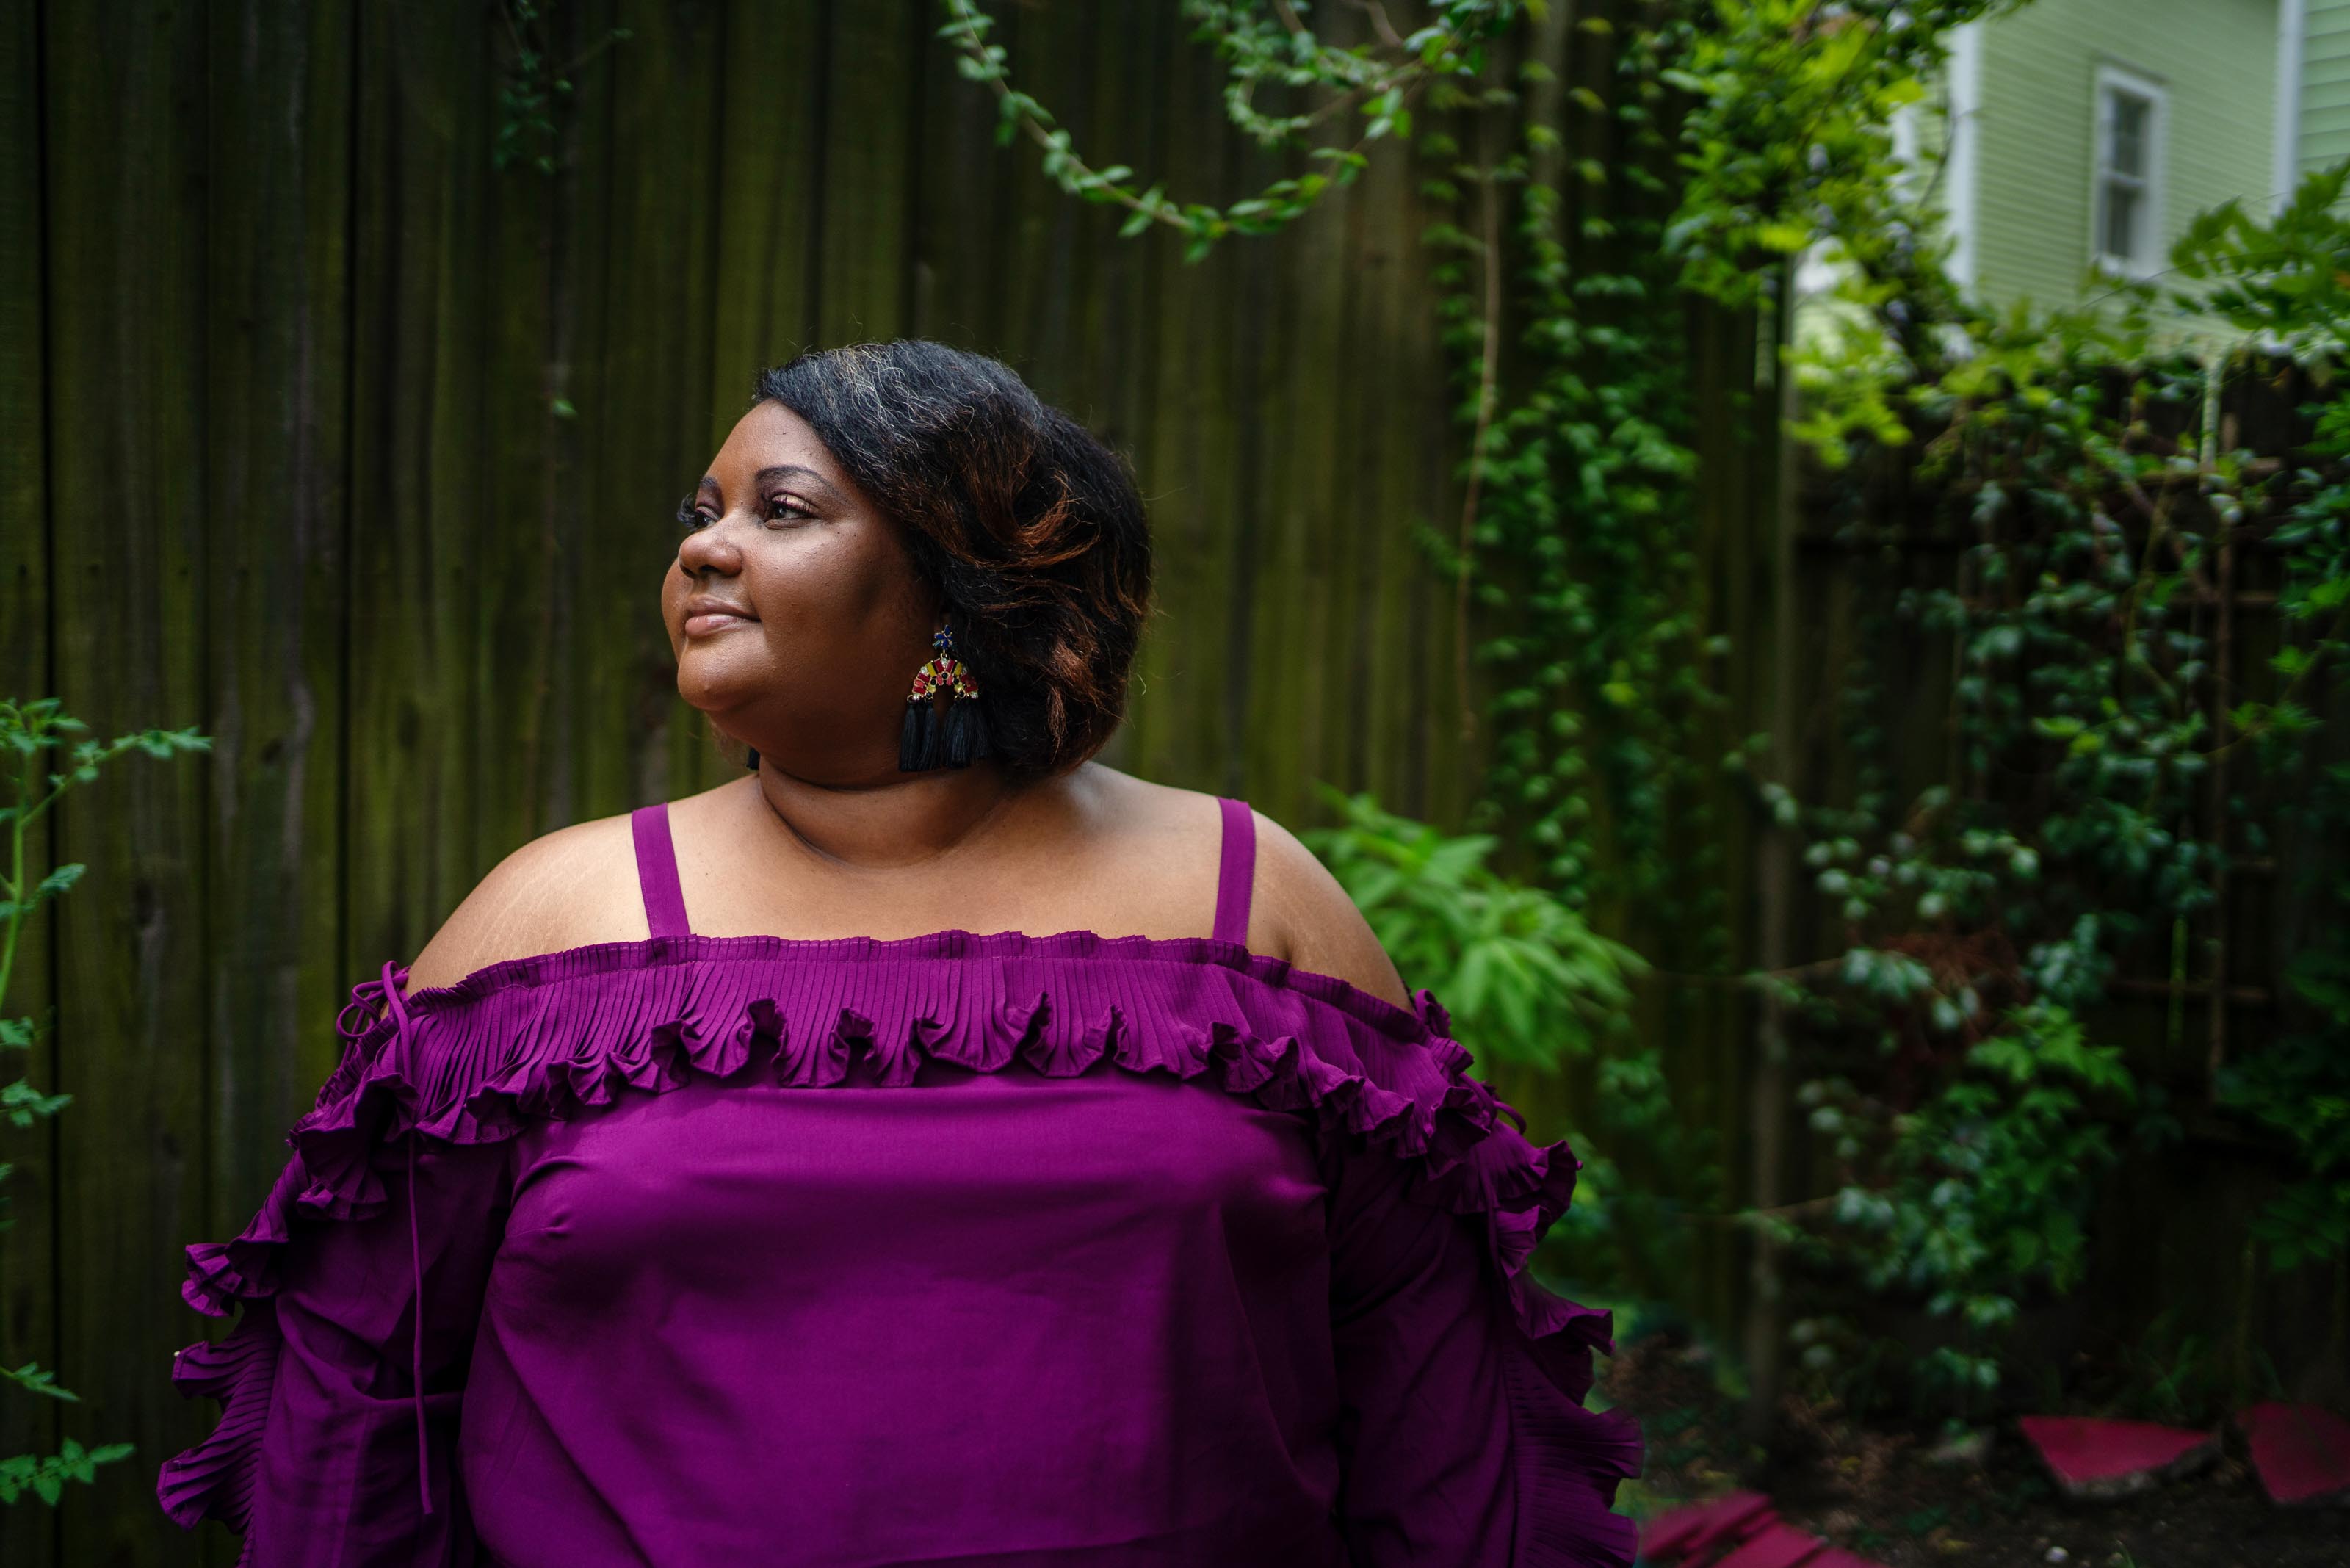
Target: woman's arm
{"x":330,"y":1448}
{"x":1462,"y":1432}
{"x":358,"y":1288}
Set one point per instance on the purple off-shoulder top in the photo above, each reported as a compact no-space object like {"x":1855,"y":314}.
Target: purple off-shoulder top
{"x":956,"y":1249}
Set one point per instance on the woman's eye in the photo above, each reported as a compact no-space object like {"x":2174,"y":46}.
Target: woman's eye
{"x":690,"y":516}
{"x":788,"y":506}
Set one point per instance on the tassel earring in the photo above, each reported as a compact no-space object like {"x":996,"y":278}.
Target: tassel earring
{"x":928,"y":740}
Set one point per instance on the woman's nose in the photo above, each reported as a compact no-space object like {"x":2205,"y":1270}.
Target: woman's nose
{"x":709,"y":547}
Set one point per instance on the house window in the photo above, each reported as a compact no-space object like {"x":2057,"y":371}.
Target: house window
{"x":2127,"y":208}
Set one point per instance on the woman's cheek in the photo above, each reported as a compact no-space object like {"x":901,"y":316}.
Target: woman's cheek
{"x":672,"y":611}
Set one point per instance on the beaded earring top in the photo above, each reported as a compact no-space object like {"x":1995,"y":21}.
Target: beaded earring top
{"x":926,"y":740}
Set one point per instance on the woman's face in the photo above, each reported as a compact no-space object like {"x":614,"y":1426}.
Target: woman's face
{"x":794,"y":613}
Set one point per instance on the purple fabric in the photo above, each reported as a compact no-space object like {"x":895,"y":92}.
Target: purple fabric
{"x":656,"y":871}
{"x":1093,"y":1250}
{"x":1236,"y":870}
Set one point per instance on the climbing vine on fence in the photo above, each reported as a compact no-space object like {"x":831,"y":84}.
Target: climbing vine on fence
{"x":1739,"y":133}
{"x":2105,"y":772}
{"x":1261,"y":47}
{"x":31,"y":729}
{"x":1579,"y":536}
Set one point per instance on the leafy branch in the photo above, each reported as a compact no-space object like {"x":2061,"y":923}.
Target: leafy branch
{"x":1378,"y":79}
{"x":46,"y":1477}
{"x":1518,"y":969}
{"x":29,"y":731}
{"x":531,"y":83}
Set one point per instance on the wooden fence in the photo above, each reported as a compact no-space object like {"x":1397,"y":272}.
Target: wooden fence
{"x":332,"y":438}
{"x":327,"y":436}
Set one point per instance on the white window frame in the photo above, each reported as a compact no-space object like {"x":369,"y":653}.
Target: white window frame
{"x":2153,"y":184}
{"x":1963,"y":174}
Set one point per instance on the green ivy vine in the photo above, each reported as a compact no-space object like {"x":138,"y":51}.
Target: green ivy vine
{"x":531,"y":83}
{"x":30,"y":731}
{"x":1260,"y":47}
{"x":2106,"y":772}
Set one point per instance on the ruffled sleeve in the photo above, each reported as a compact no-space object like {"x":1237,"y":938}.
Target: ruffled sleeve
{"x":359,"y":1283}
{"x":1463,"y":1435}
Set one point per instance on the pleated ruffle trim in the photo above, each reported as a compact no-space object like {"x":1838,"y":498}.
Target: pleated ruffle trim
{"x":560,"y":1035}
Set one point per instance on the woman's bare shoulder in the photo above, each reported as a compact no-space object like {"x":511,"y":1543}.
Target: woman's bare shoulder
{"x":1316,"y":926}
{"x":565,"y":888}
{"x":1297,"y":910}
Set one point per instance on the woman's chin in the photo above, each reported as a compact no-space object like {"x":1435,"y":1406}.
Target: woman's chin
{"x":718,"y":686}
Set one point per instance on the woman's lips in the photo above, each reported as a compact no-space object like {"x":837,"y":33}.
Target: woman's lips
{"x":702,"y":625}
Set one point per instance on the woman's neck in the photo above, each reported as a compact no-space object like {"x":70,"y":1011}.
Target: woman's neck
{"x":916,"y":819}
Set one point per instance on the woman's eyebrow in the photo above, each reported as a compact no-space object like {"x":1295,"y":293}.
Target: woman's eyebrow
{"x":801,"y":471}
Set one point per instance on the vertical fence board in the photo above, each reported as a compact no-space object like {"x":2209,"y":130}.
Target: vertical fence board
{"x":959,"y":245}
{"x":1300,"y":536}
{"x":1054,"y":238}
{"x":586,"y":722}
{"x":1190,"y":471}
{"x":275,"y":405}
{"x":868,"y":148}
{"x":767,"y":148}
{"x":1135,"y":126}
{"x":524,"y":783}
{"x":28,"y":1323}
{"x":654,"y":419}
{"x":1102,"y":325}
{"x":1365,"y":648}
{"x":422,"y":163}
{"x":125,"y":135}
{"x":1432,"y":767}
{"x":1132,"y":132}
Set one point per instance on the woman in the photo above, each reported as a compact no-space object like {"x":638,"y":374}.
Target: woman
{"x":710,"y":1193}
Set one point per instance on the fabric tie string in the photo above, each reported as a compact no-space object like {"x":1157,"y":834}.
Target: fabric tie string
{"x":392,"y":977}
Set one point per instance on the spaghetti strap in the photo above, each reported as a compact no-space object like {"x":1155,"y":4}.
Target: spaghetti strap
{"x":1236,"y":870}
{"x":656,"y":871}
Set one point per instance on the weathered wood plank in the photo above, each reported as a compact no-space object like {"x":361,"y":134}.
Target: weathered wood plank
{"x":1134,"y":126}
{"x":652,"y":425}
{"x":413,"y":843}
{"x":1320,"y":518}
{"x":1354,"y":652}
{"x":1190,"y":473}
{"x":1129,"y":128}
{"x":1053,"y":239}
{"x":1438,"y":769}
{"x":1305,"y":534}
{"x":564,"y":416}
{"x":276,"y":368}
{"x":528,"y":782}
{"x":126,"y":223}
{"x":959,"y":243}
{"x":28,"y":1323}
{"x":863,"y":289}
{"x":768,"y":146}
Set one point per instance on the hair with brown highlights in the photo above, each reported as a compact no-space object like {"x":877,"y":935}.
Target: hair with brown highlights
{"x":1031,"y":528}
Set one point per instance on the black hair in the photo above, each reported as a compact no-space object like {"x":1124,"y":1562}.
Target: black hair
{"x":1030,"y":527}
